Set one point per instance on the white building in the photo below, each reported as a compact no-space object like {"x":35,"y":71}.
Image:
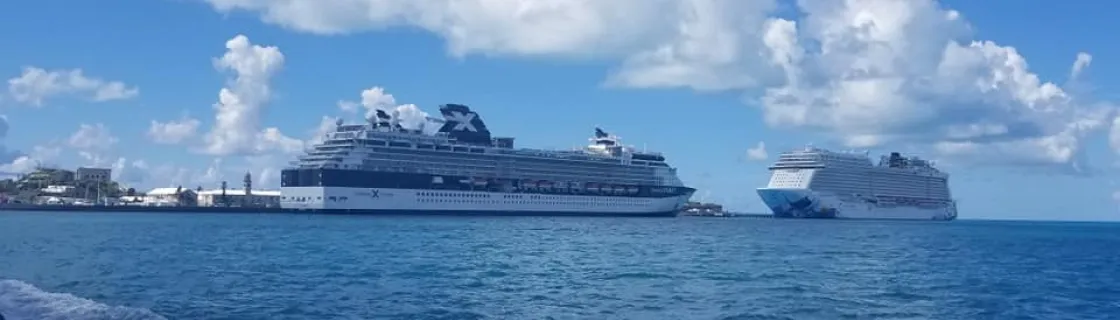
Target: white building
{"x":237,"y":198}
{"x":170,"y":197}
{"x":57,"y":189}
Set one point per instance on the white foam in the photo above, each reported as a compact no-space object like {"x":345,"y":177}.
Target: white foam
{"x":22,"y":301}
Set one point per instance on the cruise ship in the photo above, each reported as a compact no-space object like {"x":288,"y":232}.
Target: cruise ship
{"x":381,"y":167}
{"x":819,"y":183}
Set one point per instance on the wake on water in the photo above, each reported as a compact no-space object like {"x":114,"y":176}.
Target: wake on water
{"x":22,"y":301}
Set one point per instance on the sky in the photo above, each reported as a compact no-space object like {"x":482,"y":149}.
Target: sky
{"x":1014,"y":99}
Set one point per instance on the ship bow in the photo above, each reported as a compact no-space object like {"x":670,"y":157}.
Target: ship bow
{"x":795,"y":203}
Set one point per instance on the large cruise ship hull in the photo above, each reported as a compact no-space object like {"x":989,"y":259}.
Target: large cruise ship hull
{"x":808,"y":204}
{"x":462,"y":202}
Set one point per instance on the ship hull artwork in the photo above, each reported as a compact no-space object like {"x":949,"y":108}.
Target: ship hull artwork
{"x":820,"y":184}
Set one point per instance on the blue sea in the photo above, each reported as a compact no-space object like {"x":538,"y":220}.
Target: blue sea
{"x":270,"y":266}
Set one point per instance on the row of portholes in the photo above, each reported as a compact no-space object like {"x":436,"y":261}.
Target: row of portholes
{"x":421,"y":196}
{"x":508,"y":202}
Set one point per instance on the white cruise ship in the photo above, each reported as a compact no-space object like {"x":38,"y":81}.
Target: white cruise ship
{"x":818,"y":183}
{"x":380,"y":167}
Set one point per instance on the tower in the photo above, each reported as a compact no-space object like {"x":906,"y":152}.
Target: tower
{"x":248,"y":184}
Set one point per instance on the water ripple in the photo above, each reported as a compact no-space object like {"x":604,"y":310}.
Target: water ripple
{"x":135,"y":266}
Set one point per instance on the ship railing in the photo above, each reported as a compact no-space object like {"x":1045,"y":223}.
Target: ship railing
{"x":795,"y":166}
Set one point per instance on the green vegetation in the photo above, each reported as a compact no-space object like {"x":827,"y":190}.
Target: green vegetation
{"x":35,"y":181}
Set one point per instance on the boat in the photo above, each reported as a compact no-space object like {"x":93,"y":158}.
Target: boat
{"x":379,"y":167}
{"x":819,"y":183}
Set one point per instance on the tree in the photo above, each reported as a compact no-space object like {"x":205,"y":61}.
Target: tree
{"x":131,"y":192}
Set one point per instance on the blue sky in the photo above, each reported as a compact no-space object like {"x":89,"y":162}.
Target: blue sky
{"x":702,"y":81}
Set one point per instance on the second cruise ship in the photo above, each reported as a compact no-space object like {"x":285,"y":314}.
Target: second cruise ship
{"x":818,"y":183}
{"x":380,"y":167}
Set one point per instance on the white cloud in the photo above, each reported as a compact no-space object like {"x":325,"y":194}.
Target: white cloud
{"x":519,"y":27}
{"x":130,"y":172}
{"x":21,"y":164}
{"x":40,"y":155}
{"x":95,"y":160}
{"x":265,"y":171}
{"x":758,"y":153}
{"x":409,"y":115}
{"x":1083,"y":61}
{"x":35,"y":85}
{"x":714,"y":46}
{"x":867,"y":72}
{"x":92,"y":137}
{"x":272,"y":140}
{"x":887,"y":71}
{"x":173,"y":132}
{"x":142,"y":175}
{"x":326,"y":126}
{"x":241,"y":103}
{"x":376,"y":98}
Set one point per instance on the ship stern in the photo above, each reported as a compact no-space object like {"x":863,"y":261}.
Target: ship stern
{"x":795,"y":203}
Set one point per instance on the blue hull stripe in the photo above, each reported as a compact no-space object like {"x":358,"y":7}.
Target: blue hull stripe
{"x":18,"y":207}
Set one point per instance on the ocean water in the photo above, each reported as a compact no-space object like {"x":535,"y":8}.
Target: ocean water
{"x":214,"y":266}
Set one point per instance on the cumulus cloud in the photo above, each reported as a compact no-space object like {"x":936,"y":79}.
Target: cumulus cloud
{"x":885,"y":71}
{"x":1083,"y":61}
{"x":272,"y":140}
{"x":92,"y":137}
{"x":867,"y":72}
{"x":514,"y":27}
{"x":39,"y":155}
{"x":326,"y":126}
{"x":409,"y":115}
{"x":870,"y":72}
{"x":130,"y":172}
{"x":376,"y":98}
{"x":173,"y":132}
{"x":241,"y":103}
{"x":265,"y":171}
{"x":714,"y":46}
{"x":758,"y":153}
{"x":35,"y":85}
{"x":144,"y":175}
